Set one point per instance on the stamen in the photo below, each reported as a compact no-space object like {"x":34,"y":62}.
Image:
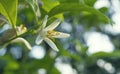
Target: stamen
{"x":51,"y":33}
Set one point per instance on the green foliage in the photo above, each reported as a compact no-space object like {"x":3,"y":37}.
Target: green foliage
{"x":8,"y":8}
{"x":76,"y":7}
{"x":27,"y":20}
{"x":49,"y":4}
{"x":90,"y":2}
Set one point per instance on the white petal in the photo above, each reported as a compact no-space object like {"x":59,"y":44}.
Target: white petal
{"x":53,"y":25}
{"x":22,"y":40}
{"x":61,"y":35}
{"x":44,"y":21}
{"x":38,"y":40}
{"x":51,"y":44}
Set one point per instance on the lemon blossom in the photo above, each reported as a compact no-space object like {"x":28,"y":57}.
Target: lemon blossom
{"x":10,"y":34}
{"x":47,"y":33}
{"x":20,"y":30}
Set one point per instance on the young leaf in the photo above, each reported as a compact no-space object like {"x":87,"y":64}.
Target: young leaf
{"x":8,"y":8}
{"x":65,"y":7}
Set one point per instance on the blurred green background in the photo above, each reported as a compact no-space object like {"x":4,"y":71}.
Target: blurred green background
{"x":92,"y":48}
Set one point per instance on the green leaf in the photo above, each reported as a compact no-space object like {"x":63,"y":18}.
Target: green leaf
{"x":106,"y":54}
{"x":49,"y":4}
{"x":8,"y":8}
{"x":104,"y":10}
{"x":73,"y":7}
{"x":70,"y":1}
{"x":90,"y":2}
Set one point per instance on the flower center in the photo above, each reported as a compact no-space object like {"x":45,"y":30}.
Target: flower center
{"x":51,"y":33}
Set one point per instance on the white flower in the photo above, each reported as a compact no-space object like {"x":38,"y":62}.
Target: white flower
{"x":47,"y":33}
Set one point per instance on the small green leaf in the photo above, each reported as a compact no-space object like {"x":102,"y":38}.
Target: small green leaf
{"x":73,"y":7}
{"x":8,"y":8}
